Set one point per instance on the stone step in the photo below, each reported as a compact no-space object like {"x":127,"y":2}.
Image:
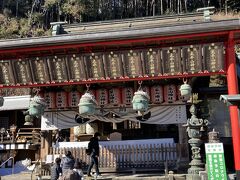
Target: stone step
{"x":27,"y":176}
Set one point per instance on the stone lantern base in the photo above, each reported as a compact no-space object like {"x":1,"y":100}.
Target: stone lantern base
{"x":193,"y":177}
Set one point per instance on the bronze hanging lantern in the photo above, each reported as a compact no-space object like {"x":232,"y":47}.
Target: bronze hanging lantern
{"x":37,"y":106}
{"x":185,"y":90}
{"x":87,"y":103}
{"x":140,"y":100}
{"x":36,"y":109}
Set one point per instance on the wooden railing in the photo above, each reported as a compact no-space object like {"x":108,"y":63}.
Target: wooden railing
{"x":29,"y":134}
{"x":128,"y":157}
{"x":22,"y":135}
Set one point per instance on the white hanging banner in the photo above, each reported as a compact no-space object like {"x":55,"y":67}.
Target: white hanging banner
{"x":174,"y":114}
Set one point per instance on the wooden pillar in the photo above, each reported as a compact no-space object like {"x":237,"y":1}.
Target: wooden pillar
{"x":46,"y":144}
{"x":182,"y":148}
{"x":114,"y":125}
{"x":125,"y":124}
{"x":72,"y":136}
{"x":233,"y":89}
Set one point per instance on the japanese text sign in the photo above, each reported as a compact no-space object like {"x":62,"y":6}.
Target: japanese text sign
{"x":215,"y":161}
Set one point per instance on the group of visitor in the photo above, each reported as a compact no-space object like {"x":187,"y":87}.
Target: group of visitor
{"x":69,"y":169}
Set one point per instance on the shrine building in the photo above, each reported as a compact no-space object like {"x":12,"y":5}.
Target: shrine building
{"x":112,"y":60}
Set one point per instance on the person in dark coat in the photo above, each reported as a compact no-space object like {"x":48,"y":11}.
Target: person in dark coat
{"x":56,"y":170}
{"x":67,"y":162}
{"x":93,"y":145}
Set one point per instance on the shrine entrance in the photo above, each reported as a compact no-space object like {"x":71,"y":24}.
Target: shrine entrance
{"x":112,"y":61}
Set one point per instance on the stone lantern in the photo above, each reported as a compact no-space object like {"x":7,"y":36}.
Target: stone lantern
{"x":87,"y":104}
{"x":28,"y":120}
{"x":2,"y":132}
{"x":185,"y":90}
{"x":140,"y":101}
{"x":195,"y":129}
{"x":13,"y":129}
{"x":213,"y":137}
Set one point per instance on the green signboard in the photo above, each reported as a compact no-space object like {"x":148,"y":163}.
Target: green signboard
{"x":215,"y":161}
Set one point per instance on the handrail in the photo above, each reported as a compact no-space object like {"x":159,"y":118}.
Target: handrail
{"x":34,"y":167}
{"x":7,"y":161}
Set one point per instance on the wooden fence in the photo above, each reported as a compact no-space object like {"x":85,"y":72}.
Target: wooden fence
{"x":127,"y":157}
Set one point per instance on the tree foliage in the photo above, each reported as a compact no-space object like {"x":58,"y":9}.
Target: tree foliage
{"x":27,"y":18}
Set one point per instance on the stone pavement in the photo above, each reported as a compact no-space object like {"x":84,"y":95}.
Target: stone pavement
{"x":106,"y":176}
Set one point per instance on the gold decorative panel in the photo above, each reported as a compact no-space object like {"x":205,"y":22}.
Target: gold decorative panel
{"x":76,"y":68}
{"x":22,"y":71}
{"x":171,"y":60}
{"x":40,"y":70}
{"x":133,"y":64}
{"x":95,"y":68}
{"x":6,"y":73}
{"x":124,"y":64}
{"x":214,"y":57}
{"x":58,"y":70}
{"x":192,"y":59}
{"x":113,"y":65}
{"x":152,"y":62}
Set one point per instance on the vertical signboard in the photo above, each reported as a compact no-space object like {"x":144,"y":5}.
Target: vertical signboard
{"x":215,"y":161}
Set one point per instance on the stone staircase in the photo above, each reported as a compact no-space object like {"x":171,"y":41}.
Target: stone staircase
{"x":124,"y":176}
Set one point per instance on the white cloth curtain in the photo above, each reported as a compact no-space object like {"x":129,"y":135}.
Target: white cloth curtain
{"x":174,"y":114}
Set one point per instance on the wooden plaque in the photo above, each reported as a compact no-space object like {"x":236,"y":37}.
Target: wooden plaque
{"x":171,"y":59}
{"x":94,"y":67}
{"x":58,"y":69}
{"x":76,"y":67}
{"x":152,"y":62}
{"x":133,"y":64}
{"x":6,"y":73}
{"x":40,"y":70}
{"x":192,"y":59}
{"x":22,"y":71}
{"x":113,"y":65}
{"x":214,"y":57}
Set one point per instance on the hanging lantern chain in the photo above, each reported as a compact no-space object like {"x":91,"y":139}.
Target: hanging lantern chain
{"x":185,"y":80}
{"x":88,"y":86}
{"x":36,"y":91}
{"x":140,"y":85}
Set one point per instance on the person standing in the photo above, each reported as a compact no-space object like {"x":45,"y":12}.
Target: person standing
{"x":56,"y":170}
{"x":67,"y":162}
{"x":93,"y":146}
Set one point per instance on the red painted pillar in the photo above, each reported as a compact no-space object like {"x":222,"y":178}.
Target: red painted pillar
{"x":233,"y":89}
